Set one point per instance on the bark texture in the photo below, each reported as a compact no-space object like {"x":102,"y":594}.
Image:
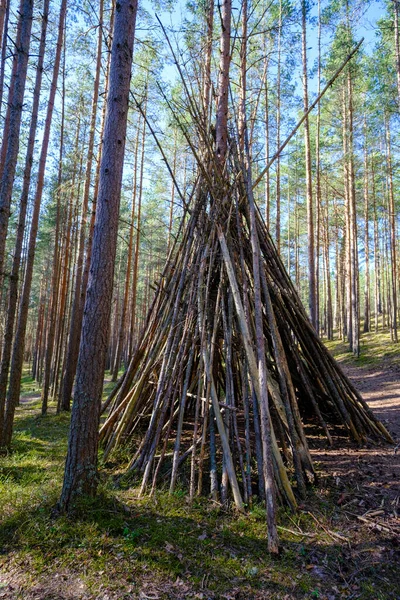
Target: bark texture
{"x":81,"y":464}
{"x":19,"y":342}
{"x":23,"y":203}
{"x":79,"y":294}
{"x":11,"y":140}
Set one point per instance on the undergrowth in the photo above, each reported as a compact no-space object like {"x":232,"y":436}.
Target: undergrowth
{"x":121,"y":543}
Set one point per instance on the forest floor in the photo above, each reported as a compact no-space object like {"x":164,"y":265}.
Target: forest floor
{"x":343,"y":543}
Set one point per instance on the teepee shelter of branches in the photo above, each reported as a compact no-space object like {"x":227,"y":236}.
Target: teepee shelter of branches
{"x":193,"y":392}
{"x":228,"y":365}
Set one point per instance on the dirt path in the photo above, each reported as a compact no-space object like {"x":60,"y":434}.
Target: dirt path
{"x":380,"y":386}
{"x":369,"y":476}
{"x":364,"y":484}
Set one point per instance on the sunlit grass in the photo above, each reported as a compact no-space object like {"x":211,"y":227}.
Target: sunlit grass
{"x":375,"y":348}
{"x":119,"y":540}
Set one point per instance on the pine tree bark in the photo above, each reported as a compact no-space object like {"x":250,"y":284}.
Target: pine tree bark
{"x":393,"y":233}
{"x":367,"y":303}
{"x":80,"y":475}
{"x":318,"y":193}
{"x":278,"y":135}
{"x":23,"y":203}
{"x":57,"y":260}
{"x":396,"y":6}
{"x":11,"y":140}
{"x":71,"y":359}
{"x":4,"y":49}
{"x":19,"y":342}
{"x":223,"y":82}
{"x":310,"y":209}
{"x":3,"y":12}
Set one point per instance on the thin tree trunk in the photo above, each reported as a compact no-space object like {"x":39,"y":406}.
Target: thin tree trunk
{"x":68,"y":257}
{"x":318,"y":200}
{"x":367,"y":308}
{"x":267,"y":174}
{"x":310,"y":209}
{"x":355,"y":301}
{"x":122,"y":327}
{"x":208,"y":55}
{"x":56,"y":270}
{"x":172,"y":200}
{"x":278,"y":136}
{"x":243,"y":82}
{"x":223,"y":83}
{"x":135,"y":275}
{"x":393,"y":232}
{"x":11,"y":138}
{"x":377,"y":279}
{"x":4,"y":51}
{"x":3,"y":13}
{"x":397,"y":45}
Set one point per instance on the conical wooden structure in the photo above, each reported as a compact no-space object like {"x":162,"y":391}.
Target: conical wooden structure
{"x":228,"y":366}
{"x":191,"y":394}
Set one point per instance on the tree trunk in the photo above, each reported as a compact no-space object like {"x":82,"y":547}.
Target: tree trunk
{"x":278,"y":136}
{"x":122,"y":327}
{"x":223,"y":82}
{"x":377,"y":261}
{"x":367,"y":307}
{"x":310,"y":209}
{"x":3,"y":32}
{"x":67,"y":271}
{"x":243,"y":83}
{"x":57,"y":260}
{"x":318,"y":194}
{"x":134,"y":319}
{"x":23,"y":203}
{"x":397,"y":45}
{"x":4,"y":50}
{"x":355,"y":297}
{"x":77,"y":303}
{"x":11,"y":141}
{"x":209,"y":17}
{"x":81,"y":465}
{"x":393,"y":232}
{"x":19,"y":342}
{"x":267,"y":190}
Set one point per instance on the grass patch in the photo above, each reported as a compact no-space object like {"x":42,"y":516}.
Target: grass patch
{"x":119,"y":542}
{"x":375,"y":349}
{"x":30,"y":388}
